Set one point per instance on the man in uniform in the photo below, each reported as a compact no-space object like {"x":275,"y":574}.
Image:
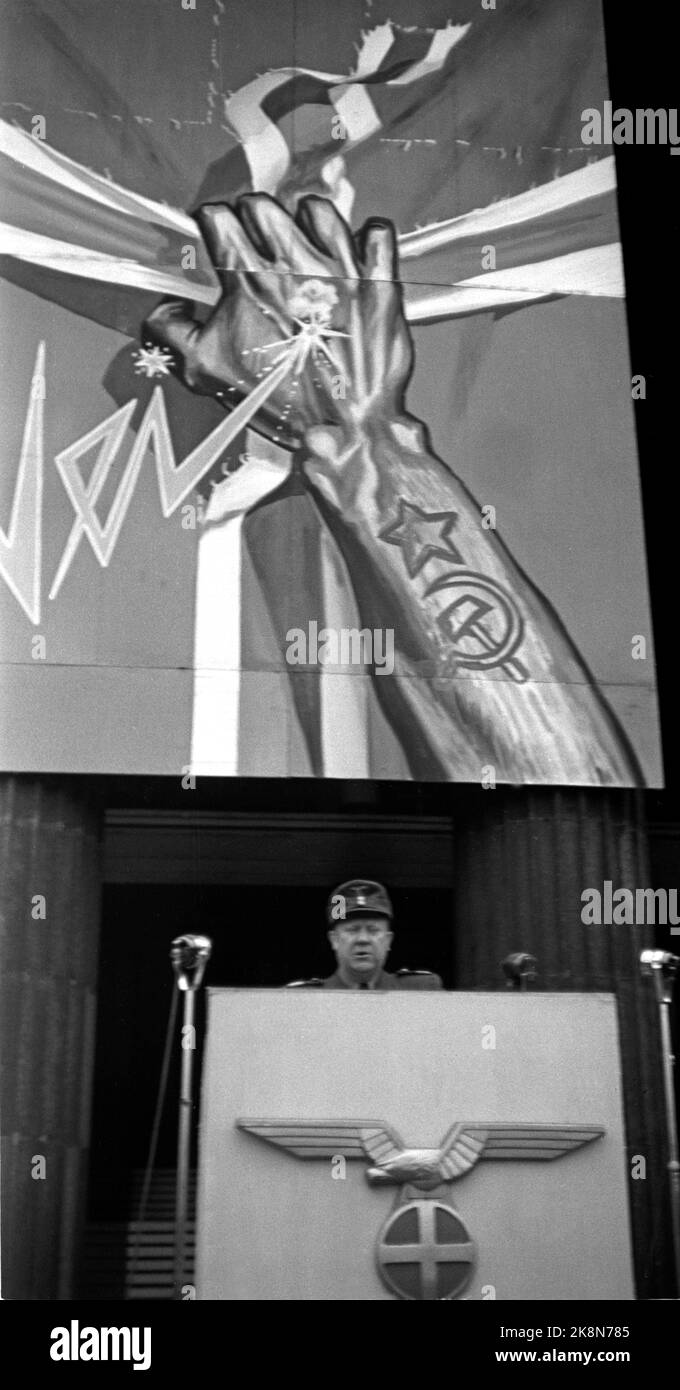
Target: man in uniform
{"x":360,"y":915}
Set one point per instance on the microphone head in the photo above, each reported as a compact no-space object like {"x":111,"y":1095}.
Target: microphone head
{"x":664,"y":960}
{"x":197,"y":943}
{"x":189,"y":955}
{"x":520,"y":966}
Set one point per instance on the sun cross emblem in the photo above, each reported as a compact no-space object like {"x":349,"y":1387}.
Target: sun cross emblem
{"x":424,"y":1251}
{"x":153,"y":361}
{"x":421,"y":536}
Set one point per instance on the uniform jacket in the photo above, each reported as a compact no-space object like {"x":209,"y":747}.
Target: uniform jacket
{"x":402,"y":979}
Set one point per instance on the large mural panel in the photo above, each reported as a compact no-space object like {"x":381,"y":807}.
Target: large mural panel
{"x":318,"y":446}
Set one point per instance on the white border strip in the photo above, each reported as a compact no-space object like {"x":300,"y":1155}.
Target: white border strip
{"x":344,"y":695}
{"x":215,"y":731}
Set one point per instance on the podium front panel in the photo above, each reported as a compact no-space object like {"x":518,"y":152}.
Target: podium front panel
{"x":535,"y":1209}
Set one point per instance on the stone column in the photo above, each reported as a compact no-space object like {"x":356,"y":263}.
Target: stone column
{"x":523,"y":859}
{"x":49,"y":932}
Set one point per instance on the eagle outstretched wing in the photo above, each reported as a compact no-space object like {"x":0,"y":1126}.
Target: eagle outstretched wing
{"x":461,"y":1149}
{"x":324,"y":1138}
{"x":468,"y":1142}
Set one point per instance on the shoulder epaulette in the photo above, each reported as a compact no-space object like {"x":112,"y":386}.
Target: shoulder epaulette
{"x":405,"y":971}
{"x":301,"y":984}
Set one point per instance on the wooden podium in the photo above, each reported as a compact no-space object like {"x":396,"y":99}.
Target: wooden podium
{"x":359,"y":1146}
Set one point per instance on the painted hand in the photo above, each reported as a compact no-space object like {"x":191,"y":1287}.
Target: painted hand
{"x":303,"y":303}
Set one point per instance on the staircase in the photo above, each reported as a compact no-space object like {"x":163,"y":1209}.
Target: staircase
{"x":134,"y":1260}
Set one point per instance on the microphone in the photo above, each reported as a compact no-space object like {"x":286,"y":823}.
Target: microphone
{"x":519,"y":967}
{"x":662,"y":966}
{"x":189,"y":956}
{"x":651,"y":960}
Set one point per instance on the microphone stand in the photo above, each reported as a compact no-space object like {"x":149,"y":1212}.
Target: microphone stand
{"x":662,"y":967}
{"x":189,"y":956}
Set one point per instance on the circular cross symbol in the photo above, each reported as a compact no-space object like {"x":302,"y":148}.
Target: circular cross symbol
{"x":481,"y":621}
{"x":424,"y":1251}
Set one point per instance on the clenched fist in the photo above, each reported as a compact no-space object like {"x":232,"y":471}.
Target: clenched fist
{"x":301,"y":298}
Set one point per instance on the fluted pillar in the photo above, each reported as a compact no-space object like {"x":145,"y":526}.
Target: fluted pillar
{"x":49,"y":930}
{"x":523,"y":859}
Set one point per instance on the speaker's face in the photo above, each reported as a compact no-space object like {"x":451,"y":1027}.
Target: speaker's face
{"x":361,"y":944}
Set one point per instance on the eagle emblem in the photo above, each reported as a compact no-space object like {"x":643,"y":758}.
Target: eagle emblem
{"x":391,"y":1162}
{"x":423,"y":1249}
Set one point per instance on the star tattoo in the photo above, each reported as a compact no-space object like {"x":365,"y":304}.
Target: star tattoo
{"x":421,"y":536}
